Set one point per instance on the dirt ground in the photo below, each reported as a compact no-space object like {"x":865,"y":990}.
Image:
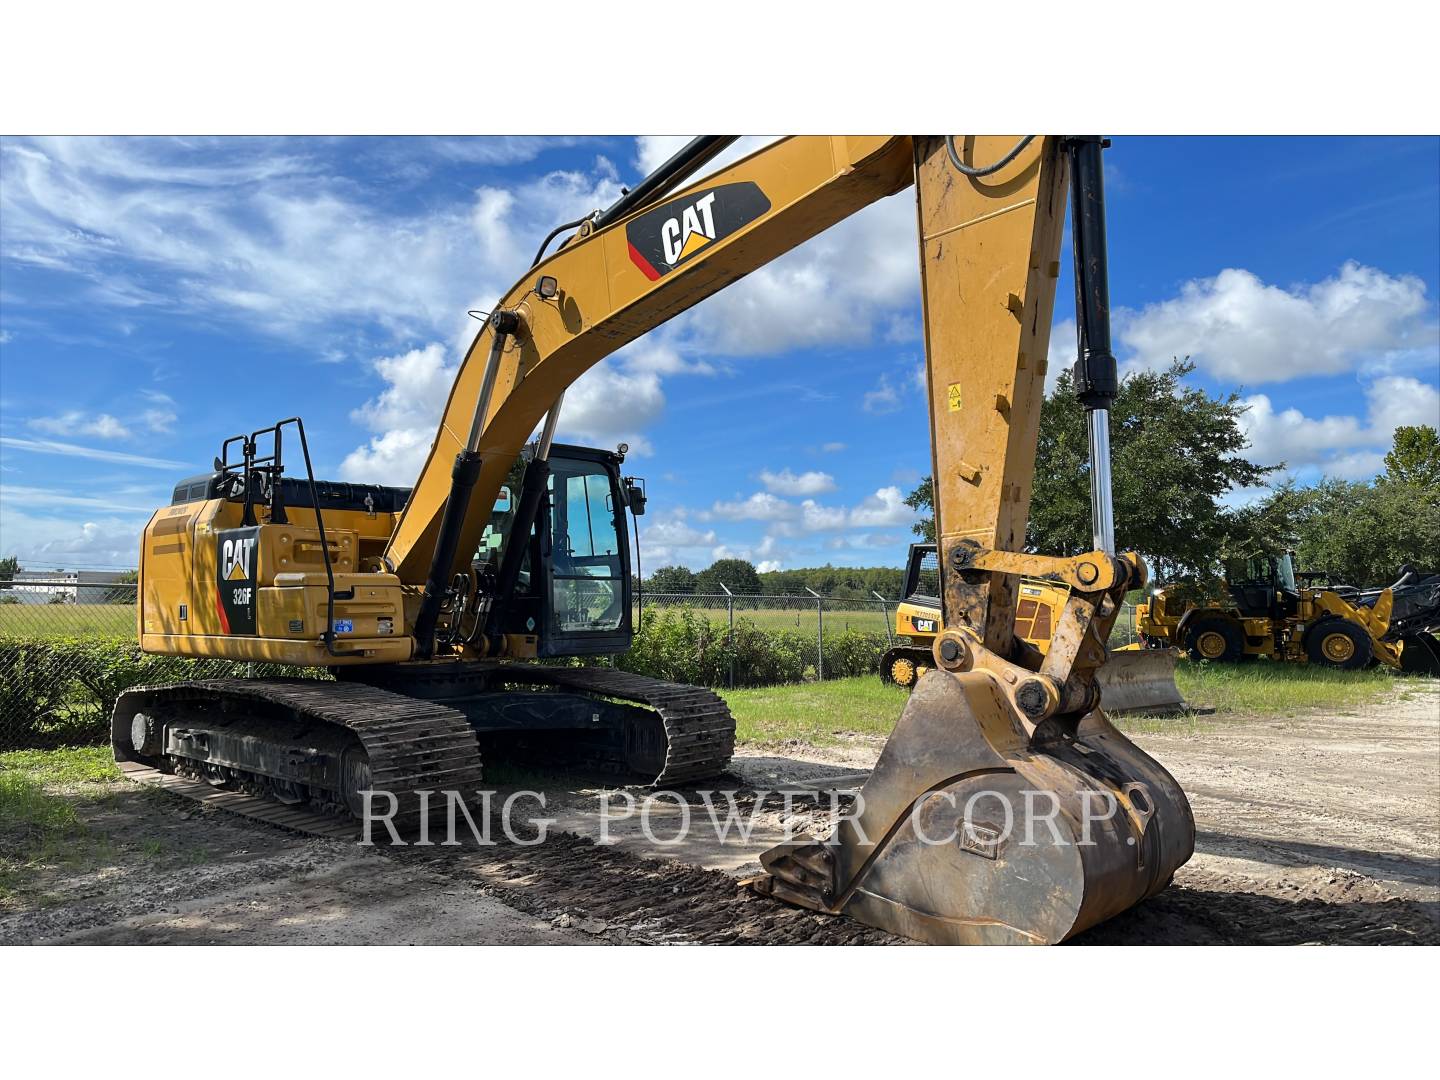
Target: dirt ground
{"x":1316,"y":828}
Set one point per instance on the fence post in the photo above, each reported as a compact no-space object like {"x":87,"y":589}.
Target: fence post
{"x":885,"y":614}
{"x":730,"y":608}
{"x":819,"y":634}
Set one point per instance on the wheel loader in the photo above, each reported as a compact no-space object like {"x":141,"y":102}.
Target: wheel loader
{"x":435,"y":607}
{"x":1267,"y":609}
{"x":1133,"y":680}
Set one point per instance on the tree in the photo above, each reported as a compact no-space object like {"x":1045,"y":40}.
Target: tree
{"x":923,"y":499}
{"x":737,"y":575}
{"x":672,"y":579}
{"x":1414,"y":457}
{"x":9,"y":567}
{"x":1174,"y":450}
{"x":1358,"y":534}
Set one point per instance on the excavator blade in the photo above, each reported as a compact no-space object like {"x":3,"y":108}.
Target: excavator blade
{"x":1140,"y":681}
{"x":968,"y":832}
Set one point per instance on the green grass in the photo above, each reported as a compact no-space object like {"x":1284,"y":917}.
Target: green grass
{"x":73,"y":765}
{"x":1265,"y":686}
{"x":823,"y":714}
{"x":40,"y":796}
{"x":41,"y":622}
{"x":816,"y":713}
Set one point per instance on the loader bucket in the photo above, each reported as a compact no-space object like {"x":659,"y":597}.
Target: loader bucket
{"x":970,"y":831}
{"x":1420,"y":654}
{"x":1140,"y":681}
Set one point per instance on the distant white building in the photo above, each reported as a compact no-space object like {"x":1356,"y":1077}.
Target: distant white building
{"x":76,"y":586}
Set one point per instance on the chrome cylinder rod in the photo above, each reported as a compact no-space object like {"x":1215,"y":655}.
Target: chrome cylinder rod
{"x":547,"y":430}
{"x":1102,"y":505}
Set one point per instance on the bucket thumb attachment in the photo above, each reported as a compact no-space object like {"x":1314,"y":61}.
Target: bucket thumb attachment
{"x":994,"y":815}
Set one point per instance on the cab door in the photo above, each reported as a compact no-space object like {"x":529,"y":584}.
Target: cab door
{"x":587,"y":573}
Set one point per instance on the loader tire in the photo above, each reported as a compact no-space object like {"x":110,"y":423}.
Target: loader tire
{"x":1216,"y":639}
{"x":1339,"y":644}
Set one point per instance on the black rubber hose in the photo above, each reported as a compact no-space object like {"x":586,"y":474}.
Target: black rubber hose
{"x":987,"y":169}
{"x":554,"y":233}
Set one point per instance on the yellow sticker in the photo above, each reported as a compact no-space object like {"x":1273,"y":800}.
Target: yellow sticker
{"x":954,"y":397}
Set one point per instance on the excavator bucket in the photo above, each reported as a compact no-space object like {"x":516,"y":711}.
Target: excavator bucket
{"x":1141,"y":682}
{"x":970,"y":832}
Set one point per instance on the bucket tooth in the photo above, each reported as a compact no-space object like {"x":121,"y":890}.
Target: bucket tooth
{"x":972,"y":831}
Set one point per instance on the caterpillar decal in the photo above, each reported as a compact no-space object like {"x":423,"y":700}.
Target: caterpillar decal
{"x":664,"y":238}
{"x":235,"y":559}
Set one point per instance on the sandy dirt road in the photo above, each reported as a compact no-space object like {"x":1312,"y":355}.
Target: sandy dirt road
{"x":1317,"y":828}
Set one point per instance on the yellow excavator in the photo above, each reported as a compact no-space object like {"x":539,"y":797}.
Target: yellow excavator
{"x":1136,"y":679}
{"x":431,"y":605}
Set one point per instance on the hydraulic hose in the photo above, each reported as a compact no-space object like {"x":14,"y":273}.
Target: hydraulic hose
{"x":985,"y":170}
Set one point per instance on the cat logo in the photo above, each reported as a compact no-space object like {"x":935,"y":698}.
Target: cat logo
{"x":665,"y":238}
{"x":235,"y":566}
{"x":690,"y":231}
{"x":235,"y":558}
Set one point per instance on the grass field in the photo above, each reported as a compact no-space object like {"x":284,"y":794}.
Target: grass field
{"x":40,"y":793}
{"x":39,"y":622}
{"x":825,"y":713}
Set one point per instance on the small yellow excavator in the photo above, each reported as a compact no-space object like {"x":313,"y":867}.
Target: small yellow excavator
{"x":1134,"y":680}
{"x":430,"y":605}
{"x":1269,"y":610}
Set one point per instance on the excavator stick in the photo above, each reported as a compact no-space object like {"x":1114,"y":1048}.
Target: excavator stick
{"x":1004,"y":808}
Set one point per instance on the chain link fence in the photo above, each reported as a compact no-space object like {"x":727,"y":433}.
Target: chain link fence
{"x":68,"y":648}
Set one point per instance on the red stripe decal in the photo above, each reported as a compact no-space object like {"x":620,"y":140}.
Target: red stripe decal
{"x":644,"y":265}
{"x":220,"y":607}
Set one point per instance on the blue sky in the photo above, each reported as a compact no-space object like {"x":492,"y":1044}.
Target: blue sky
{"x":158,"y":295}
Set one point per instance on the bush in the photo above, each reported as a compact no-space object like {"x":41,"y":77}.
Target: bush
{"x":683,"y":645}
{"x":61,"y":691}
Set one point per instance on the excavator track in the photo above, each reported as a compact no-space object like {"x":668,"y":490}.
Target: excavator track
{"x":409,"y":745}
{"x":699,"y":731}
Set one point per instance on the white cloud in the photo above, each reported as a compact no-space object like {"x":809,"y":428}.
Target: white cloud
{"x":832,"y":447}
{"x":885,"y":507}
{"x":787,"y":519}
{"x":34,"y":498}
{"x":676,"y":532}
{"x":762,"y":506}
{"x":608,"y":405}
{"x":1343,"y":446}
{"x":259,"y":230}
{"x":1242,"y":329}
{"x":885,"y":398}
{"x":48,"y":446}
{"x":73,"y":423}
{"x":41,"y":541}
{"x":404,"y":417}
{"x":1400,"y":401}
{"x":786,"y":482}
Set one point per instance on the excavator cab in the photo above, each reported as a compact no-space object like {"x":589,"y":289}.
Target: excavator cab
{"x":579,"y":603}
